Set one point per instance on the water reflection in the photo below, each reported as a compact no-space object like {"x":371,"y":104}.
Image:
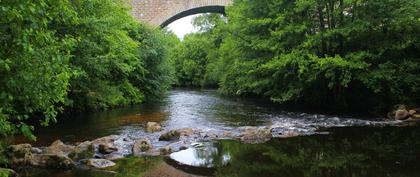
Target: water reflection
{"x":352,"y":152}
{"x":203,"y":154}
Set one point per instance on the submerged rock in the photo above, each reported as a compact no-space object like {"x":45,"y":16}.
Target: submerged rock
{"x":141,"y":145}
{"x":153,"y":127}
{"x":99,"y":163}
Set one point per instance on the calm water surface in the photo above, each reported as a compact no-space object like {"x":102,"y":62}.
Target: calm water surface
{"x":333,"y":145}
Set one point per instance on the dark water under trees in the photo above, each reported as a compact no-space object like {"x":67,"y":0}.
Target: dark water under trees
{"x":332,"y":145}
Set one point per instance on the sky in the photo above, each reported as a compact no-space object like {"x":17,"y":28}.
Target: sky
{"x":182,"y":26}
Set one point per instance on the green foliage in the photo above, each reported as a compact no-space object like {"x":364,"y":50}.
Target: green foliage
{"x":34,"y":61}
{"x":195,"y":57}
{"x":104,"y":57}
{"x":81,"y":55}
{"x":346,"y":55}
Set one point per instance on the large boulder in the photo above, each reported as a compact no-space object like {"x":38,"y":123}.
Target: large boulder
{"x":58,"y":147}
{"x":176,"y":134}
{"x":141,"y":145}
{"x":99,"y":163}
{"x":254,"y":135}
{"x":83,"y":150}
{"x":153,"y":127}
{"x":19,"y":155}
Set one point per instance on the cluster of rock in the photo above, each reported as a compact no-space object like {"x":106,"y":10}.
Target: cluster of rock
{"x":101,"y":152}
{"x":406,"y":114}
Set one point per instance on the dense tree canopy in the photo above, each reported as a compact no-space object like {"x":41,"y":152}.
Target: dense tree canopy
{"x":346,"y":55}
{"x":81,"y":54}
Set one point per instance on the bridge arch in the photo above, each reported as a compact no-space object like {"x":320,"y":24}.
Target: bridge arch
{"x":163,"y":12}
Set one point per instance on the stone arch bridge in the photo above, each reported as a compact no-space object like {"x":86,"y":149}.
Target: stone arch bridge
{"x":163,"y":12}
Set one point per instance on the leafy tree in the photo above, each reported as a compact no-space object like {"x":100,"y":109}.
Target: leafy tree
{"x":344,"y":55}
{"x":80,"y":55}
{"x":34,"y":61}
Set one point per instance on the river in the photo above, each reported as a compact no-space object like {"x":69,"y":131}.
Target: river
{"x":328,"y":145}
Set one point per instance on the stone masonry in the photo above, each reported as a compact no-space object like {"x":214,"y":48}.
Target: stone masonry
{"x":156,"y":12}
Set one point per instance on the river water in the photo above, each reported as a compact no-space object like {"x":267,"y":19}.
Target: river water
{"x":328,"y":146}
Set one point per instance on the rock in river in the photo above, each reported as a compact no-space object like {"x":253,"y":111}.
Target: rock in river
{"x":165,"y":150}
{"x":176,"y":134}
{"x":106,"y":148}
{"x":54,"y":156}
{"x":19,"y":155}
{"x":57,"y":161}
{"x":141,"y":145}
{"x":83,"y":150}
{"x":153,"y":127}
{"x":58,"y":147}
